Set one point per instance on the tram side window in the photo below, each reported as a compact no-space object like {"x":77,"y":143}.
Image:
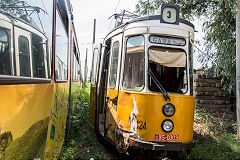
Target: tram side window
{"x":94,"y":67}
{"x":133,"y":76}
{"x":24,"y":56}
{"x":169,"y":67}
{"x":48,"y":57}
{"x":61,"y":49}
{"x":114,"y":65}
{"x":75,"y":63}
{"x":73,"y":66}
{"x":38,"y":60}
{"x":5,"y":61}
{"x":77,"y":72}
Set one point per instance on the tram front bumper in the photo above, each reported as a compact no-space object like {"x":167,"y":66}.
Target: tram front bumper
{"x":160,"y":146}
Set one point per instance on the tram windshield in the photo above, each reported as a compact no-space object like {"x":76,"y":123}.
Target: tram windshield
{"x":169,"y":67}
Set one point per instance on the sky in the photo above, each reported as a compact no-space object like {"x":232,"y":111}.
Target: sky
{"x":85,"y":11}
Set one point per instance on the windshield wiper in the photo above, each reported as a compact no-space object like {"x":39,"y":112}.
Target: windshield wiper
{"x":165,"y":94}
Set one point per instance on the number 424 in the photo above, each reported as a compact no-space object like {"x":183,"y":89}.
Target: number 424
{"x":141,"y":125}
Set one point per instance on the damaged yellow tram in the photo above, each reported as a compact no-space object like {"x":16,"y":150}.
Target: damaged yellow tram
{"x":141,"y":84}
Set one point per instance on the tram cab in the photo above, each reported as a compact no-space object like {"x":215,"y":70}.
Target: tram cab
{"x":141,"y":94}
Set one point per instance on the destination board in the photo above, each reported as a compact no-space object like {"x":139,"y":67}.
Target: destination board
{"x":167,"y":40}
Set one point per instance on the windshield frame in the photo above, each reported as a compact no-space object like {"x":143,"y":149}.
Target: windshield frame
{"x":144,"y":65}
{"x":167,"y":47}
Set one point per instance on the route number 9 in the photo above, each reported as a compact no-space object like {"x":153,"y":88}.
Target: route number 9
{"x":169,"y":14}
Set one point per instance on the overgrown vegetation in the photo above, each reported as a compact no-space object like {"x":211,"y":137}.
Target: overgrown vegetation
{"x":82,"y":142}
{"x":215,"y":134}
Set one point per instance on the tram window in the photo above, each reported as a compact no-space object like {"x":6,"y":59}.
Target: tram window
{"x":48,"y":57}
{"x":5,"y":62}
{"x":75,"y":63}
{"x":61,"y":49}
{"x":133,"y":78}
{"x":74,"y":67}
{"x":24,"y":56}
{"x":114,"y":65}
{"x":94,"y":67}
{"x":38,"y":63}
{"x":78,"y":71}
{"x":169,"y":67}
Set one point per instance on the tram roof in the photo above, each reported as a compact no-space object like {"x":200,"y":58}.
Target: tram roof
{"x":146,"y":18}
{"x":9,"y":16}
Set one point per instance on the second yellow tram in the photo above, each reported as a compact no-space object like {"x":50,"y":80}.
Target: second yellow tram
{"x":39,"y":64}
{"x":141,"y":84}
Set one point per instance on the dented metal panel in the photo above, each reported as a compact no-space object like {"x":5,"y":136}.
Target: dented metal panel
{"x":144,"y":112}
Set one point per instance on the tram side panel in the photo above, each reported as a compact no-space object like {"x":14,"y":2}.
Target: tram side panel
{"x":25,"y":111}
{"x":25,"y":98}
{"x":56,"y":128}
{"x":33,"y":108}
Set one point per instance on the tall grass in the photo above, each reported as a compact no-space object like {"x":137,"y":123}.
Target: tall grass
{"x":82,"y":142}
{"x":215,"y":135}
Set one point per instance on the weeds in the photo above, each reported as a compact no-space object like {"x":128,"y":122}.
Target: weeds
{"x":214,"y":133}
{"x":215,"y":136}
{"x":82,"y":142}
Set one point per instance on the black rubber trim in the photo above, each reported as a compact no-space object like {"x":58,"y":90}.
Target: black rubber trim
{"x":7,"y":80}
{"x":161,"y":146}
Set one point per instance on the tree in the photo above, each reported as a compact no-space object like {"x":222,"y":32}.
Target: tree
{"x":238,"y":67}
{"x":219,"y":27}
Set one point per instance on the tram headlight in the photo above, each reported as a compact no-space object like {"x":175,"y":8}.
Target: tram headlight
{"x":167,"y":125}
{"x":168,"y":109}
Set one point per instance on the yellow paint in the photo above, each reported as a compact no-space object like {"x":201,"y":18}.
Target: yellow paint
{"x":149,"y":106}
{"x":23,"y":105}
{"x":59,"y":115}
{"x":112,"y":93}
{"x":111,"y":113}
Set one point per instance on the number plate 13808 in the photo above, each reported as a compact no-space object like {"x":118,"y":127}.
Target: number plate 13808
{"x":166,"y":137}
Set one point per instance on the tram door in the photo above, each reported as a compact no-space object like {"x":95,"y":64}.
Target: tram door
{"x":102,"y":89}
{"x":94,"y":76}
{"x":113,"y":86}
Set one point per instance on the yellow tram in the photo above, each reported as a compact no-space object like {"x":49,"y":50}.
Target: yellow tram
{"x":141,"y":83}
{"x":39,"y":62}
